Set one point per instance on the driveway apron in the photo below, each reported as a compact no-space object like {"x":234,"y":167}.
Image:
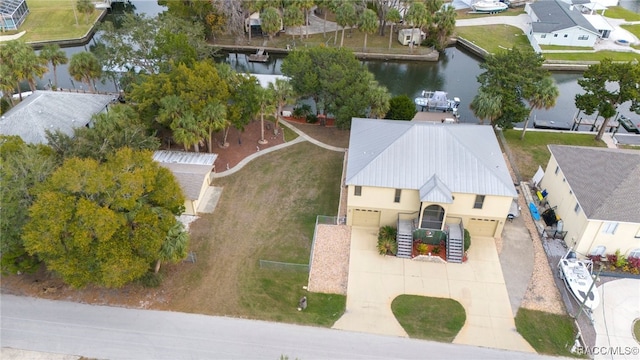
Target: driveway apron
{"x":478,"y":284}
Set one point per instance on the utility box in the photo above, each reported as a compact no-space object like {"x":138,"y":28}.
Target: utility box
{"x":407,"y":36}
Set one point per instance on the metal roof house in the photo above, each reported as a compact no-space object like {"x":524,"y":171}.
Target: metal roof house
{"x":52,"y":110}
{"x":193,"y":172}
{"x":12,"y":14}
{"x":596,"y":192}
{"x":554,"y":22}
{"x":436,"y":175}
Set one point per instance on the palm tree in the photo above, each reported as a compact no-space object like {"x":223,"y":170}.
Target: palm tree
{"x":345,"y":16}
{"x":305,"y":6}
{"x":174,"y":247}
{"x":393,"y":16}
{"x":418,"y":16}
{"x":266,"y":99}
{"x":213,"y":118}
{"x":486,"y":106}
{"x":379,"y":97}
{"x":187,"y":132}
{"x":368,"y":24}
{"x":283,"y":94}
{"x":84,"y":66}
{"x":445,"y":24}
{"x":270,"y":21}
{"x":21,"y":63}
{"x":7,"y":83}
{"x":86,"y":7}
{"x":544,"y":96}
{"x":55,"y":56}
{"x":293,"y":17}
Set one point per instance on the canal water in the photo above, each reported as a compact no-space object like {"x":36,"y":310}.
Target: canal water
{"x":455,"y":73}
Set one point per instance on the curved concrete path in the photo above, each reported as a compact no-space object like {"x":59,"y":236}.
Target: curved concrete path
{"x":613,"y":320}
{"x":301,"y":137}
{"x":478,"y":284}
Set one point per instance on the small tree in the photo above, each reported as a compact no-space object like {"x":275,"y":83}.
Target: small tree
{"x":270,"y":21}
{"x":387,"y":243}
{"x":293,"y":17}
{"x":368,"y":24}
{"x":52,"y":54}
{"x":84,"y":66}
{"x":393,"y":17}
{"x":486,"y":106}
{"x":86,"y":7}
{"x":401,"y":107}
{"x":346,"y":16}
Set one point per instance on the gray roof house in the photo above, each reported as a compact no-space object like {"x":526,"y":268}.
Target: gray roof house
{"x":441,"y":173}
{"x":554,"y":22}
{"x":51,"y":110}
{"x":596,"y":192}
{"x":192,"y":170}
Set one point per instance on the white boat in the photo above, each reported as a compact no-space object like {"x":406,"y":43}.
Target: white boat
{"x":437,"y":101}
{"x":578,"y":280}
{"x":489,"y":6}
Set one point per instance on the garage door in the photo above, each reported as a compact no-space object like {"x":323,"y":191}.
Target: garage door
{"x":482,"y":227}
{"x":369,"y":218}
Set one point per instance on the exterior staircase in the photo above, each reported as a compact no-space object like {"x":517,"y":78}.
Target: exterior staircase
{"x":405,"y":239}
{"x":455,"y":243}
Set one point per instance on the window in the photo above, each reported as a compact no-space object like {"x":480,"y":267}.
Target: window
{"x":397,"y":196}
{"x":543,"y":36}
{"x":583,"y":37}
{"x":635,"y":253}
{"x":577,"y":208}
{"x":609,"y":228}
{"x":557,"y":170}
{"x":357,"y":191}
{"x":555,"y":35}
{"x":479,"y":202}
{"x":432,"y":217}
{"x":565,"y":35}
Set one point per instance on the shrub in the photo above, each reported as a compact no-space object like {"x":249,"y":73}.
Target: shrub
{"x":302,"y":110}
{"x":312,"y":119}
{"x":387,"y":243}
{"x":436,"y":250}
{"x":467,"y":240}
{"x":634,"y":262}
{"x":151,"y":280}
{"x":422,"y":249}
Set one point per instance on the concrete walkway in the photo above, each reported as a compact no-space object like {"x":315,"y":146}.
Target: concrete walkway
{"x":478,"y":284}
{"x":614,"y":319}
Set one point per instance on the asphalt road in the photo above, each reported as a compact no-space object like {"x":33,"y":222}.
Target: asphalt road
{"x":118,"y":333}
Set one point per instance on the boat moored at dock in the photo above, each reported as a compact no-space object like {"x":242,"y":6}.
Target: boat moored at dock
{"x":437,"y":101}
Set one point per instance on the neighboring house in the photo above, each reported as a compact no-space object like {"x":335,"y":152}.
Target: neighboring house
{"x":52,"y":110}
{"x":12,"y":14}
{"x":193,"y":172}
{"x":554,"y":22}
{"x":596,"y":192}
{"x":432,"y":173}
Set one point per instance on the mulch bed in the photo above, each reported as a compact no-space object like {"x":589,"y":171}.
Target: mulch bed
{"x":245,"y":143}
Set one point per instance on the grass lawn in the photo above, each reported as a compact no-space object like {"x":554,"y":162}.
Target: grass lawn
{"x":547,"y":333}
{"x":494,"y":38}
{"x":532,"y":151}
{"x":618,"y":12}
{"x":429,"y":318}
{"x":596,"y":56}
{"x":54,"y":20}
{"x":267,"y":211}
{"x":634,"y":29}
{"x":559,"y":47}
{"x":466,"y":13}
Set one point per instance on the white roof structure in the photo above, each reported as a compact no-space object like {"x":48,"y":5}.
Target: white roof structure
{"x":435,"y":159}
{"x":189,"y":169}
{"x":51,"y":110}
{"x":266,"y":79}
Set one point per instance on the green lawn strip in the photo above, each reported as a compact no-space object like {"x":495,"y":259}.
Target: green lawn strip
{"x":595,"y":56}
{"x":288,"y":191}
{"x":547,"y":333}
{"x":494,"y":38}
{"x":289,"y":134}
{"x":559,"y":47}
{"x":618,"y":12}
{"x":533,"y":152}
{"x":634,"y":29}
{"x":429,"y":318}
{"x":49,"y":20}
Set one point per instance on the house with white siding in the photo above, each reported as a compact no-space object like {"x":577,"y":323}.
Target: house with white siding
{"x":554,"y":22}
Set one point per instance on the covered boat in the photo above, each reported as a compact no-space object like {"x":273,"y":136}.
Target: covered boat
{"x":578,"y":280}
{"x":437,"y":101}
{"x":489,"y":6}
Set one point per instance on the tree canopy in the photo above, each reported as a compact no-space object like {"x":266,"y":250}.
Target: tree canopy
{"x":516,"y":77}
{"x":335,"y":79}
{"x":401,"y":107}
{"x":608,"y":85}
{"x":104,"y":223}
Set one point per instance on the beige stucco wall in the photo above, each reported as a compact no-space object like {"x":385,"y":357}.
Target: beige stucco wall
{"x":372,"y":198}
{"x":584,"y":234}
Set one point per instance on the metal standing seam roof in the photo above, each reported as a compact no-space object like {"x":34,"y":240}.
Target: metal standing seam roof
{"x":556,"y":15}
{"x":436,"y":159}
{"x":606,"y":182}
{"x":51,"y":110}
{"x":189,"y":169}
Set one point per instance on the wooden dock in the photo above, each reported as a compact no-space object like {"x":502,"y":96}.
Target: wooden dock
{"x":260,"y":56}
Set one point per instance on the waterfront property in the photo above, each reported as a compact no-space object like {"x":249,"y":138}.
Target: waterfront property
{"x":52,"y":110}
{"x":554,"y":22}
{"x":435,"y":176}
{"x":12,"y":14}
{"x":595,"y":191}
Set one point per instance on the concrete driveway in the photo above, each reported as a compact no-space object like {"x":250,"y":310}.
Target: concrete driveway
{"x":478,"y":284}
{"x":613,"y":319}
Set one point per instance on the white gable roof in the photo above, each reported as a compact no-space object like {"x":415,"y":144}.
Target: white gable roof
{"x":436,"y":159}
